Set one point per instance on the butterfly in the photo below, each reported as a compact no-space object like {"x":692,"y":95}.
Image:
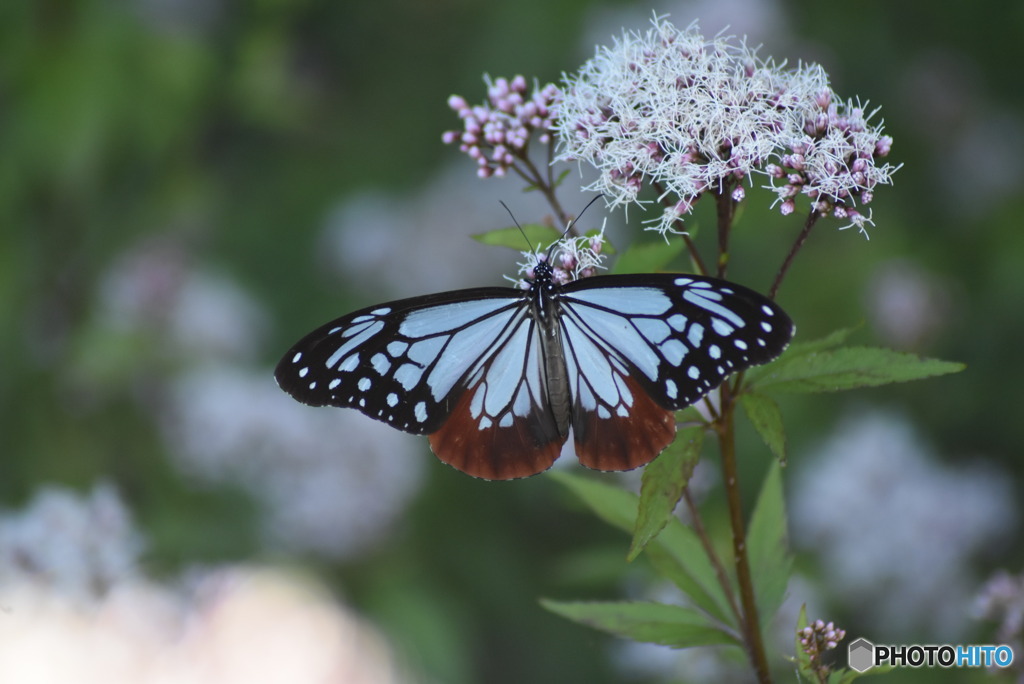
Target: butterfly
{"x":496,"y":377}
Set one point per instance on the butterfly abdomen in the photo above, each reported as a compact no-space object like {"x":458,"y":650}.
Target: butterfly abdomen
{"x":556,"y":375}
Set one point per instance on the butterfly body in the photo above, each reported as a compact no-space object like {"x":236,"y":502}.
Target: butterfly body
{"x":498,"y":377}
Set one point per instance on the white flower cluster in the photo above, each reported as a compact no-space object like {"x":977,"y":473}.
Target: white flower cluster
{"x":684,"y":114}
{"x":832,"y":161}
{"x":572,"y":258}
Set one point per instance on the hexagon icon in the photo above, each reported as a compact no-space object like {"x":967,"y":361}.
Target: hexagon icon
{"x":861,"y":655}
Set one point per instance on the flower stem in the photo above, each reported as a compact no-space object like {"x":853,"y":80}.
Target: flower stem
{"x":709,"y":550}
{"x":750,"y":623}
{"x":812,"y":218}
{"x":726,"y":208}
{"x":691,"y":247}
{"x":534,"y":177}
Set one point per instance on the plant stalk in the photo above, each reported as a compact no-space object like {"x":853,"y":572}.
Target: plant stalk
{"x":750,"y":623}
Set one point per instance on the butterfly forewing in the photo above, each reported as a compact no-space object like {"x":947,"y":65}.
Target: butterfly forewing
{"x":679,"y":336}
{"x":399,"y":362}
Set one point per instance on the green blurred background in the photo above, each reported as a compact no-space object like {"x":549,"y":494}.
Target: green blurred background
{"x":147,"y":146}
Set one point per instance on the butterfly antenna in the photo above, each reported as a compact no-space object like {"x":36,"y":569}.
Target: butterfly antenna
{"x":517,"y":224}
{"x":573,"y":222}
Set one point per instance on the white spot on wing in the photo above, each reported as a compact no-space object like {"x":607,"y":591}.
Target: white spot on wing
{"x":350,"y":345}
{"x":702,"y":299}
{"x":654,"y":329}
{"x":721,"y":327}
{"x":408,"y":375}
{"x":626,"y":300}
{"x":695,"y":335}
{"x":425,"y":351}
{"x":674,"y":351}
{"x":476,"y":404}
{"x":446,"y":317}
{"x":380,"y":363}
{"x":420,"y":411}
{"x":348,"y":364}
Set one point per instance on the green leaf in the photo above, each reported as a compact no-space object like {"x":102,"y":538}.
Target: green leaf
{"x":561,"y":177}
{"x":766,"y":417}
{"x":648,"y":257}
{"x":844,"y":676}
{"x":676,"y":554}
{"x":662,"y":486}
{"x":536,"y":235}
{"x":803,"y":661}
{"x":798,"y":349}
{"x":767,"y":550}
{"x":830,"y":341}
{"x":848,"y":368}
{"x":656,"y":623}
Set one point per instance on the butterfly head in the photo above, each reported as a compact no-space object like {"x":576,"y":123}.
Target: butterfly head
{"x":565,"y":260}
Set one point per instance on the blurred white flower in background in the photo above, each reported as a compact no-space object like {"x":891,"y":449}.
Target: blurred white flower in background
{"x":391,"y":246}
{"x":330,"y":482}
{"x":895,"y":530}
{"x":193,"y":311}
{"x":907,"y":305}
{"x":333,"y":482}
{"x":234,"y":626}
{"x":75,"y":546}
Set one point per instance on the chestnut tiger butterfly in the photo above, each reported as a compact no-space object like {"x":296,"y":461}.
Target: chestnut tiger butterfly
{"x":496,"y":377}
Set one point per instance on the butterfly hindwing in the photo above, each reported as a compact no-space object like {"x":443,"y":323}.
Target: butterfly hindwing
{"x":501,"y":425}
